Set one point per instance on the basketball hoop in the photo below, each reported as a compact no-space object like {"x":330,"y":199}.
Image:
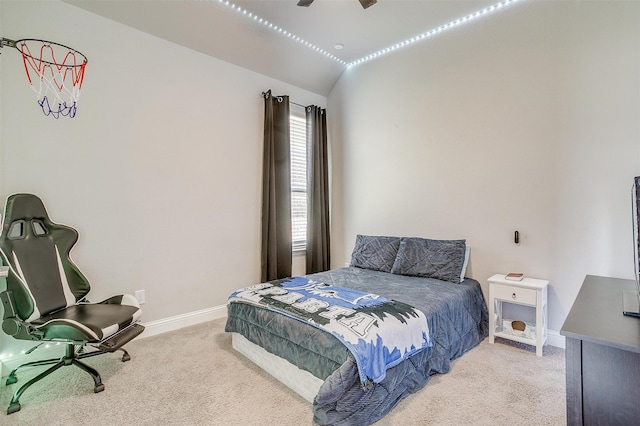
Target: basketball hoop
{"x":55,"y":73}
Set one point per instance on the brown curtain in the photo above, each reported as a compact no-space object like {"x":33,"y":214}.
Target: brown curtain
{"x":318,"y":243}
{"x":276,"y":189}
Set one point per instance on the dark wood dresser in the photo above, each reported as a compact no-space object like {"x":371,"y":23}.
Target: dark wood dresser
{"x":602,"y":356}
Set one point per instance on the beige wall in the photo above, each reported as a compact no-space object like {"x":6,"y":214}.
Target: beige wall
{"x":527,"y":120}
{"x":159,"y":171}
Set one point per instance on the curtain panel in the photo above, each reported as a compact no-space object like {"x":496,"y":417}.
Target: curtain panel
{"x":276,"y":190}
{"x":318,"y":242}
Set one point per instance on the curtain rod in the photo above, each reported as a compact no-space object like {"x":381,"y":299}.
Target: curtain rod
{"x":267,"y":94}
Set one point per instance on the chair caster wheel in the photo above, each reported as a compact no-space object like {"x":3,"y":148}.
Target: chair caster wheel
{"x":11,"y":379}
{"x":98,"y":388}
{"x":13,"y":407}
{"x":126,"y":357}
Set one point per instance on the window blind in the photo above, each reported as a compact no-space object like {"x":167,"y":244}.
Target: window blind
{"x":298,"y":131}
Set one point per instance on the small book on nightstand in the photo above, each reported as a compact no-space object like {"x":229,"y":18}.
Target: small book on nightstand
{"x":514,"y":276}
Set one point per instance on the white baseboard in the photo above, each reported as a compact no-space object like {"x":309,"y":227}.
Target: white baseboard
{"x":177,"y":322}
{"x":152,"y":328}
{"x":555,"y":339}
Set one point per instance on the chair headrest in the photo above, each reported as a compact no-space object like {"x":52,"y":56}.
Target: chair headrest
{"x":24,"y":206}
{"x":24,"y":216}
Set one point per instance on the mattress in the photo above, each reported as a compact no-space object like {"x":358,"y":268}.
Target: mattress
{"x":457,"y":318}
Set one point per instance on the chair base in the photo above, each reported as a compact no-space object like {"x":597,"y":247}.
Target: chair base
{"x":70,"y":358}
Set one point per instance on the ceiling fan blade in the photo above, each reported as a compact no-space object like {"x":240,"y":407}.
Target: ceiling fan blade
{"x":365,"y":3}
{"x":305,"y":3}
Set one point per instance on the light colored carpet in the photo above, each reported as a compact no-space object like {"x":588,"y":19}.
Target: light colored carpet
{"x":193,"y":377}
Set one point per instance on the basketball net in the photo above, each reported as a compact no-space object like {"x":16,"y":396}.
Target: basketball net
{"x":55,"y":73}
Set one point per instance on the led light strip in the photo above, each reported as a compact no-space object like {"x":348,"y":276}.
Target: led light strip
{"x":281,"y":30}
{"x":453,"y":24}
{"x":450,"y":25}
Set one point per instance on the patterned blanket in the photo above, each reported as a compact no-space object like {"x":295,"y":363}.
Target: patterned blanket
{"x":380,"y":333}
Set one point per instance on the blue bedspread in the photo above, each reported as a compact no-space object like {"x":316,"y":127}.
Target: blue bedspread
{"x":457,"y":318}
{"x":380,"y":333}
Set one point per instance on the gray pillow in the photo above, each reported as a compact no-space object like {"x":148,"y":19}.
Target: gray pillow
{"x":421,"y":257}
{"x":376,"y":253}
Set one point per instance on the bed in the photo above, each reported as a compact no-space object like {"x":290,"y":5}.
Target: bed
{"x":321,"y":369}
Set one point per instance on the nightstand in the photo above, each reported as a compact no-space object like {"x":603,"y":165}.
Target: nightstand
{"x":528,"y":292}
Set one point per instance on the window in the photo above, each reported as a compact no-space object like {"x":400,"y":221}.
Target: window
{"x":298,"y":130}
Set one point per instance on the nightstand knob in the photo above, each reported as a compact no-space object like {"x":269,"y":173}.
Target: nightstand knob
{"x":513,"y":296}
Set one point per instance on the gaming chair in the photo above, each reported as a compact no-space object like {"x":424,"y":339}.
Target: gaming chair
{"x":45,"y":299}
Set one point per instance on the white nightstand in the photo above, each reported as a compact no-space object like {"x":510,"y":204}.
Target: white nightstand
{"x":528,"y":292}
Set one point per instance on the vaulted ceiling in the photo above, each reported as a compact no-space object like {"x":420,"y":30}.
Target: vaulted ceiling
{"x":233,"y":31}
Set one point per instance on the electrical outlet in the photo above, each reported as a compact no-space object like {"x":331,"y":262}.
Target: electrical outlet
{"x":139,"y":294}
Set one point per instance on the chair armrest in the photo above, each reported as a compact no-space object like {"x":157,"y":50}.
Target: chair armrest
{"x":8,"y":305}
{"x":11,"y":324}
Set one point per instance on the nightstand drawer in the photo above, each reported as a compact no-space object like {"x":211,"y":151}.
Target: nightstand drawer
{"x":514,"y":294}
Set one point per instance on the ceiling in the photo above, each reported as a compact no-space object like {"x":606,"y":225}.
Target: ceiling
{"x":218,"y":30}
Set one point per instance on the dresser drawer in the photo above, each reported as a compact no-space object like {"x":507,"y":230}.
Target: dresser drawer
{"x":525,"y":296}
